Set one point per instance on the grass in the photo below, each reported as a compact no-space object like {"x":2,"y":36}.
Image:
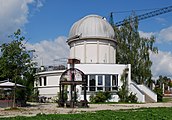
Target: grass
{"x":167,"y":99}
{"x":133,"y":114}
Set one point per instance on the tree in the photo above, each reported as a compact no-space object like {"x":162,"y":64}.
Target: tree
{"x":123,"y":92}
{"x":135,"y":50}
{"x":16,"y":64}
{"x":163,"y":82}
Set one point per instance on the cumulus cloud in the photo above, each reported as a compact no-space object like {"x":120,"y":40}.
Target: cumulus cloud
{"x":47,"y":51}
{"x":146,"y":34}
{"x":162,"y":64}
{"x":164,"y":35}
{"x":13,"y":15}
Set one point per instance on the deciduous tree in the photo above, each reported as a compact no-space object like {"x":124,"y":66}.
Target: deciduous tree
{"x":15,"y":62}
{"x":135,"y":50}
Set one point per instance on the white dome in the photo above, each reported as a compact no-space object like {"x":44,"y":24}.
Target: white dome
{"x":92,"y":26}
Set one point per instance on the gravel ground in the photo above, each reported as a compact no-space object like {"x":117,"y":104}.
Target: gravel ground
{"x":51,"y":108}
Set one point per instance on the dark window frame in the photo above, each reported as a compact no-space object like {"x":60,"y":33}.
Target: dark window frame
{"x":92,"y":82}
{"x":45,"y":80}
{"x":40,"y":81}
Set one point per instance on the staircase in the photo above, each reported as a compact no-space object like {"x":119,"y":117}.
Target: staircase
{"x":143,"y":93}
{"x":148,"y":99}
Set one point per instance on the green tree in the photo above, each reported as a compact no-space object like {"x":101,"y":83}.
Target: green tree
{"x":163,"y":80}
{"x":16,"y":64}
{"x":135,"y":50}
{"x":123,"y":91}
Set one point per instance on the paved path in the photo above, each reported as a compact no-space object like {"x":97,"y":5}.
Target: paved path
{"x":51,"y":108}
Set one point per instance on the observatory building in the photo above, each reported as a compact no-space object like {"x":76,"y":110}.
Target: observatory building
{"x":92,"y":41}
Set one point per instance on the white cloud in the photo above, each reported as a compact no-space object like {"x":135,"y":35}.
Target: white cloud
{"x":39,"y":3}
{"x":161,"y":20}
{"x":164,"y":35}
{"x":49,"y":50}
{"x":162,"y":64}
{"x":14,"y":15}
{"x":146,"y":34}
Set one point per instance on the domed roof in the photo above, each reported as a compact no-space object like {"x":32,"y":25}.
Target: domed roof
{"x":92,"y":26}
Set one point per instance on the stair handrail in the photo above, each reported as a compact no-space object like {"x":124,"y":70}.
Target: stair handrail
{"x":135,"y":85}
{"x":149,"y":89}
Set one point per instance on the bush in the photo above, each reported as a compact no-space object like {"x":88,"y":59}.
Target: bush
{"x":132,"y":98}
{"x":124,"y":97}
{"x":123,"y":94}
{"x":159,"y":93}
{"x":100,"y":97}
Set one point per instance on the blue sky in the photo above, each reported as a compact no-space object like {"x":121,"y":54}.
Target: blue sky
{"x":46,"y":24}
{"x":56,"y":17}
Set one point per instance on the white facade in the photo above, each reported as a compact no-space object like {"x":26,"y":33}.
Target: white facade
{"x":92,"y":41}
{"x":48,"y":83}
{"x":93,"y":51}
{"x":103,"y":77}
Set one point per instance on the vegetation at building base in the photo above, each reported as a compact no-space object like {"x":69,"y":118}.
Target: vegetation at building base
{"x":123,"y":92}
{"x":100,"y":97}
{"x":162,"y":83}
{"x":17,"y":66}
{"x":135,"y":50}
{"x":159,"y":93}
{"x":133,"y":114}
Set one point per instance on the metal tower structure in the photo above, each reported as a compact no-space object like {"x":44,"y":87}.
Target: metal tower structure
{"x":142,"y":16}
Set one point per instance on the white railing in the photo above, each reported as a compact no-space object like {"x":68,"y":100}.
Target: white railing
{"x":139,"y":94}
{"x":149,"y":92}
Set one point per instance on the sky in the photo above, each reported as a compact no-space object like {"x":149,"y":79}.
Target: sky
{"x":46,"y":25}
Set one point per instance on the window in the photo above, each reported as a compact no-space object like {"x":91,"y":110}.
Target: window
{"x":100,"y":82}
{"x":92,"y":83}
{"x":114,"y":82}
{"x":107,"y":82}
{"x":86,"y":78}
{"x":40,"y":81}
{"x":45,"y":81}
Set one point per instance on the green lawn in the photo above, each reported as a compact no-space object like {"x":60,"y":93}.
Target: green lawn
{"x":135,"y":114}
{"x":167,"y":99}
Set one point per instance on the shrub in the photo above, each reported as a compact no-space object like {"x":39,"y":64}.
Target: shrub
{"x":132,"y":98}
{"x":159,"y":93}
{"x":100,"y":97}
{"x":124,"y":97}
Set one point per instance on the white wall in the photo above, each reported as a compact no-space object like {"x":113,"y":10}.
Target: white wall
{"x":48,"y":91}
{"x":93,"y":50}
{"x":53,"y":80}
{"x":103,"y":69}
{"x":91,"y":53}
{"x":53,"y":77}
